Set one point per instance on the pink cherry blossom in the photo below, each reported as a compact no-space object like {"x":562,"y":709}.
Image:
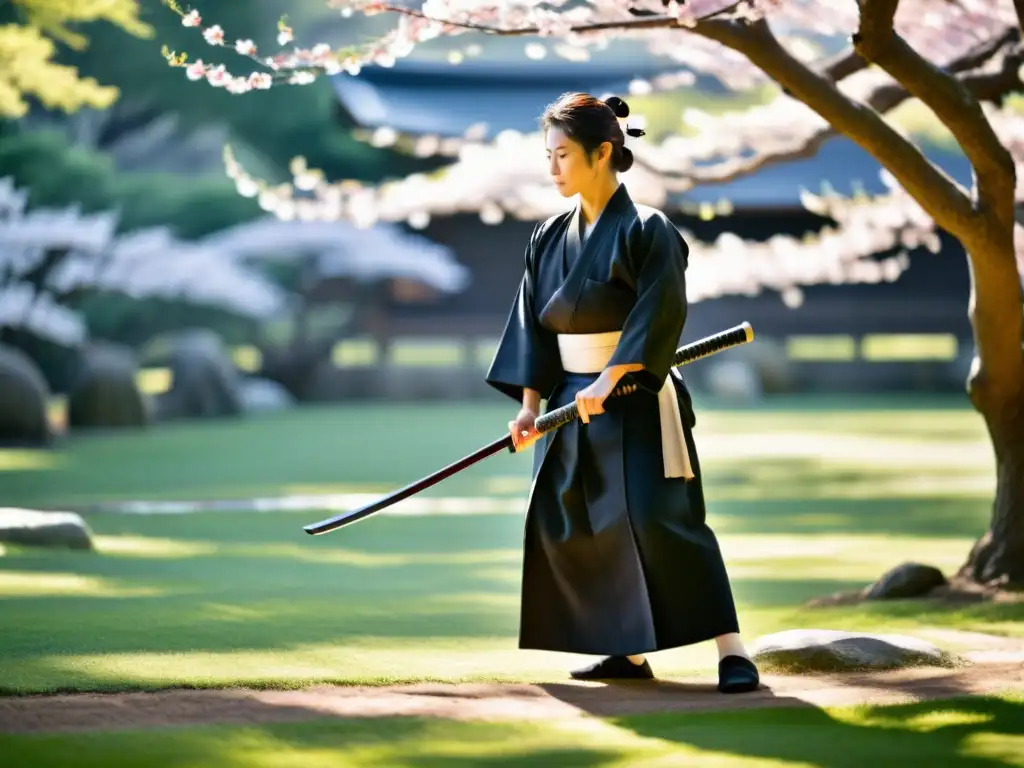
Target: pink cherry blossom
{"x":196,"y":70}
{"x":218,"y":76}
{"x":260,"y":81}
{"x":509,"y":176}
{"x":238,"y":85}
{"x":214,"y":35}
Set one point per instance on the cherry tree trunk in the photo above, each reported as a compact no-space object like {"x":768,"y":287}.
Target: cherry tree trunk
{"x":996,"y":388}
{"x":998,"y":557}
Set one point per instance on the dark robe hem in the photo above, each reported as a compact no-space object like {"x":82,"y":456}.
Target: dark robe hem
{"x":605,"y":650}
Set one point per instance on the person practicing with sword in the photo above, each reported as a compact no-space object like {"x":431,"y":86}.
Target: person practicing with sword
{"x":619,"y":561}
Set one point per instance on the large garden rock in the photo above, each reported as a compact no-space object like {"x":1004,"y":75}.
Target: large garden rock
{"x":735,"y":380}
{"x":263,"y":395}
{"x":105,"y":392}
{"x":825,"y":650}
{"x":27,"y":527}
{"x":205,"y":382}
{"x":750,"y":371}
{"x":24,"y":398}
{"x":906,"y":581}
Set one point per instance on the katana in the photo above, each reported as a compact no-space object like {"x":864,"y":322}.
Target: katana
{"x":710,"y":345}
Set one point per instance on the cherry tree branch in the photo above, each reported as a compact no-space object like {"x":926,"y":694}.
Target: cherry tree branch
{"x":1018,"y":6}
{"x":994,"y":85}
{"x":639,"y":23}
{"x":944,"y":199}
{"x":985,"y":82}
{"x":844,"y":64}
{"x":948,"y":98}
{"x":771,"y":130}
{"x":995,"y":299}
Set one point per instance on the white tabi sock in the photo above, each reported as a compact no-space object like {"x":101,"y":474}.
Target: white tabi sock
{"x":730,"y":645}
{"x":638,"y":660}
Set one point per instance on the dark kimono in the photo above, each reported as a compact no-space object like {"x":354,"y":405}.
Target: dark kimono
{"x":618,"y":558}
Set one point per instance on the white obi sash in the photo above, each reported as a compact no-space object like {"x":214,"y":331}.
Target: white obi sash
{"x":590,"y":353}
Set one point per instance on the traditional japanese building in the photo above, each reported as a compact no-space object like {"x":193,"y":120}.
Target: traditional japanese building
{"x":911,"y":334}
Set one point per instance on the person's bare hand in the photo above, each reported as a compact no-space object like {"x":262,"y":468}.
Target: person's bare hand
{"x":590,"y":399}
{"x":524,"y":433}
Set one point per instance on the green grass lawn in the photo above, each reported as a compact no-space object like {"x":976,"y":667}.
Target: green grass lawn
{"x":807,"y":498}
{"x":806,"y":502}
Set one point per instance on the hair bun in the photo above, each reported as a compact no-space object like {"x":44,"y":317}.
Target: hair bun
{"x":618,"y":106}
{"x":627,"y":160}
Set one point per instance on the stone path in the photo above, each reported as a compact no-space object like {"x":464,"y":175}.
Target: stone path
{"x":991,"y":671}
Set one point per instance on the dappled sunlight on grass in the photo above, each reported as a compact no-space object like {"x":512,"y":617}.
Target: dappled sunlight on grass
{"x":921,"y":722}
{"x":326,"y":489}
{"x":507,"y":484}
{"x":849,"y":557}
{"x":488,"y":600}
{"x":508,"y":576}
{"x":907,"y":616}
{"x":366,"y":743}
{"x":983,"y":732}
{"x":804,"y":503}
{"x":928,"y":733}
{"x":12,"y":460}
{"x":995,"y":747}
{"x":371,"y":659}
{"x":398,"y":598}
{"x":822,"y":569}
{"x":846,"y":450}
{"x":227,"y":612}
{"x":784,"y":465}
{"x":899,"y":518}
{"x":267,"y":645}
{"x":141,"y":546}
{"x":846,"y":416}
{"x":876,"y":548}
{"x":242,"y":458}
{"x":762,"y":484}
{"x":150,"y":547}
{"x":369,"y":559}
{"x":37,"y":584}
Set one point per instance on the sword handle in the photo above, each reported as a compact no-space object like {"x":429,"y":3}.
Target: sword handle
{"x":709,"y":345}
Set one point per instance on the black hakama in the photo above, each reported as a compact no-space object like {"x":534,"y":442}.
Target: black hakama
{"x":618,"y":558}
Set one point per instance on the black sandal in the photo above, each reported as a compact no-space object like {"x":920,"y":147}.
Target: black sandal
{"x":737,"y":675}
{"x":614,"y":668}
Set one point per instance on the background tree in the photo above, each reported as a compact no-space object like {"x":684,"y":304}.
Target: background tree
{"x":30,"y":31}
{"x":839,"y":68}
{"x":68,"y":277}
{"x":154,"y":154}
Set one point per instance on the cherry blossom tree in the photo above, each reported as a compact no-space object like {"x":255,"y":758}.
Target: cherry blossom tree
{"x":839,"y":69}
{"x":48,"y":258}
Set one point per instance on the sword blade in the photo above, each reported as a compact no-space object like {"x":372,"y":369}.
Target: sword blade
{"x":355,"y":515}
{"x":710,"y":345}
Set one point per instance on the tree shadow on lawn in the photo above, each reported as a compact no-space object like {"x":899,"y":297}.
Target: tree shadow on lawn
{"x":261,"y":613}
{"x":909,"y":516}
{"x":950,"y":729}
{"x":285,"y":597}
{"x":265,"y":734}
{"x":978,"y":732}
